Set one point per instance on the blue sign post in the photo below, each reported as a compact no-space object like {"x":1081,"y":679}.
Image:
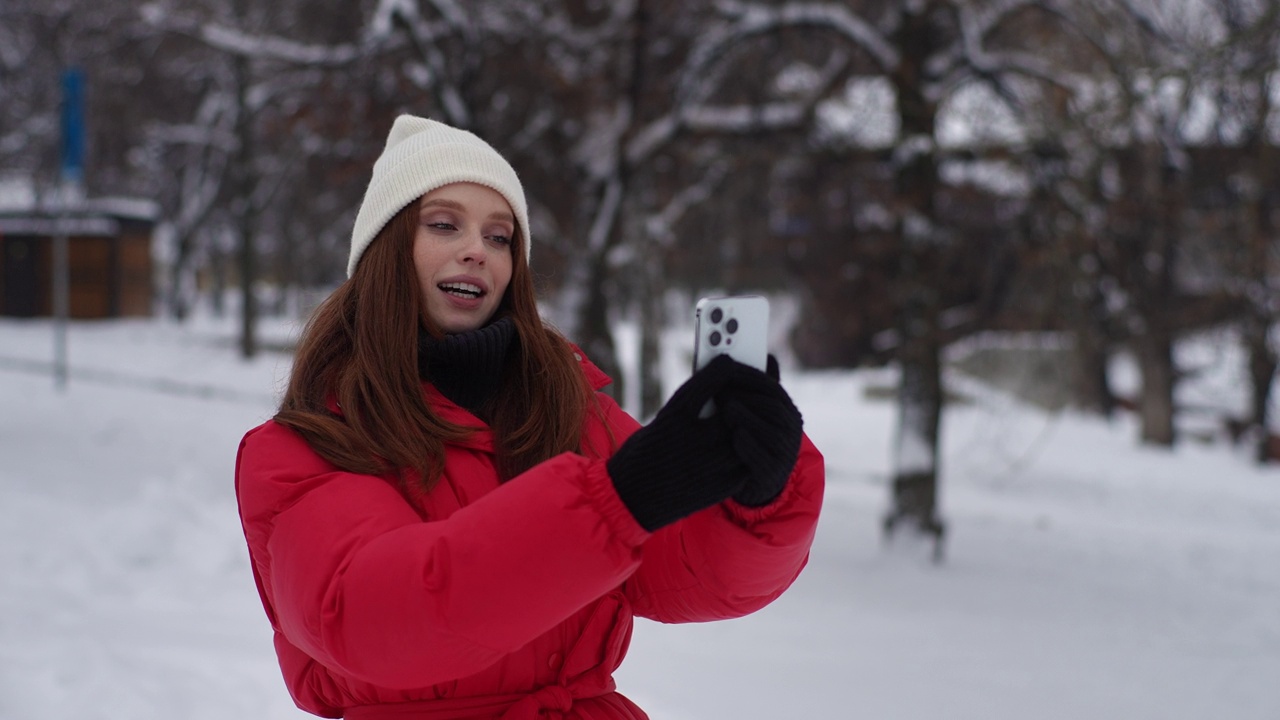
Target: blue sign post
{"x":71,"y":192}
{"x":73,"y":127}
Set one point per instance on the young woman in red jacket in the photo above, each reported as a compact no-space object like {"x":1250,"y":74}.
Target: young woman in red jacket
{"x":447,"y":520}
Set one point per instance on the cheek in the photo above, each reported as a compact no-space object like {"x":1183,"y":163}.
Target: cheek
{"x":504,"y":278}
{"x":424,"y":260}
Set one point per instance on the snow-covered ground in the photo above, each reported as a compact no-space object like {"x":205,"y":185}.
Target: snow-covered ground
{"x":1086,"y":577}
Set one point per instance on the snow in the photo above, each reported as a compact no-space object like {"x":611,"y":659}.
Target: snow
{"x":863,"y":116}
{"x":1085,"y":576}
{"x":973,"y":115}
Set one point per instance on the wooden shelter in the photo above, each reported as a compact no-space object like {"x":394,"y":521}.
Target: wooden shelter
{"x":109,"y":257}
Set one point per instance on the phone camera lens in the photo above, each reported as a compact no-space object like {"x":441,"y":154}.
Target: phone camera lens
{"x":717,"y":315}
{"x":731,"y":326}
{"x":715,"y":338}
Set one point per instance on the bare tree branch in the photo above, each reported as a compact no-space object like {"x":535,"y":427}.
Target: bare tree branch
{"x":755,"y":19}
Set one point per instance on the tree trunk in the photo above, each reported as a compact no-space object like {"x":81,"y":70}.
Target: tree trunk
{"x":593,"y":332}
{"x":915,"y":481}
{"x":218,"y":281}
{"x":649,"y":280}
{"x":914,"y":496}
{"x":248,"y":298}
{"x":1155,"y":405}
{"x":1258,"y":321}
{"x":1158,"y":295}
{"x":1093,"y":391}
{"x":1262,"y":370}
{"x":1258,"y":231}
{"x":178,"y":300}
{"x":652,"y":320}
{"x":245,"y":222}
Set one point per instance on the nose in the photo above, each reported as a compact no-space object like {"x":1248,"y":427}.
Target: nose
{"x":473,"y":249}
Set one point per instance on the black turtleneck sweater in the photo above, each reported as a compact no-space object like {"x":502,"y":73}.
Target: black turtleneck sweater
{"x":467,"y":367}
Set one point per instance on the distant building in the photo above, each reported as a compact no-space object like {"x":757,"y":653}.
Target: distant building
{"x":109,"y":253}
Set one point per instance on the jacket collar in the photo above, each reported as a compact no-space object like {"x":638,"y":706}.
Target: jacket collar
{"x":481,"y":437}
{"x":595,"y":376}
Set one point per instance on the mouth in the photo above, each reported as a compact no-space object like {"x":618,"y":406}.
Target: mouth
{"x":466,"y":291}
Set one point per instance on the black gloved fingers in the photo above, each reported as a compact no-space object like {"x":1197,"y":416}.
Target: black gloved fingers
{"x":680,"y":463}
{"x":761,"y":416}
{"x":664,"y":476}
{"x":771,"y":368}
{"x":745,"y":381}
{"x":702,"y":386}
{"x":766,"y":433}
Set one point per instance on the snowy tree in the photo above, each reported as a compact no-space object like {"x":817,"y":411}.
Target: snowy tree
{"x":1144,"y":237}
{"x":244,"y":153}
{"x":710,"y":146}
{"x":640,"y":97}
{"x":927,"y":52}
{"x":1163,"y":131}
{"x":38,"y":42}
{"x":1128,"y":128}
{"x":1244,"y":61}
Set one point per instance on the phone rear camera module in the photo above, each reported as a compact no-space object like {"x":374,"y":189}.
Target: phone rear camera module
{"x":715,"y":338}
{"x":731,"y":326}
{"x":717,"y":315}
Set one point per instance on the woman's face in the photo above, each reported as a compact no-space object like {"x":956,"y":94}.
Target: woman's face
{"x":462,"y":253}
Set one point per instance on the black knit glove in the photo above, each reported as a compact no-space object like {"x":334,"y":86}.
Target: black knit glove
{"x":680,"y":463}
{"x":766,"y":428}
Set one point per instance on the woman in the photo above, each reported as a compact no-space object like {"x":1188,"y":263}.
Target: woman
{"x":447,"y":520}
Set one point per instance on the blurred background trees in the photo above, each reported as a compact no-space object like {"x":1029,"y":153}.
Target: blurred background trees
{"x":907,"y":173}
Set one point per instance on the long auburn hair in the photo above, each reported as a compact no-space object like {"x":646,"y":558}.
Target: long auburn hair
{"x":360,"y":350}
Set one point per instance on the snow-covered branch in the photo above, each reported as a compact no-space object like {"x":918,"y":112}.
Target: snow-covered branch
{"x":733,"y":119}
{"x":975,"y":28}
{"x":981,"y":20}
{"x":558,"y":30}
{"x":192,"y":134}
{"x":754,"y":19}
{"x":596,"y":151}
{"x":660,"y":225}
{"x":236,"y":42}
{"x":738,"y":118}
{"x":424,"y":36}
{"x":605,"y":217}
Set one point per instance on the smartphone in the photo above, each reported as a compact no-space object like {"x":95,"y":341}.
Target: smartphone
{"x":737,"y":326}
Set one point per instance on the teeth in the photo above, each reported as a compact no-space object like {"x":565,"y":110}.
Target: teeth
{"x":463,"y":289}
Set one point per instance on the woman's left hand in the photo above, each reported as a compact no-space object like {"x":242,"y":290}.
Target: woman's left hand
{"x":765,"y":427}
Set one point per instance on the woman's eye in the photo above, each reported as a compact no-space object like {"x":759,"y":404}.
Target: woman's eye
{"x":440,"y":225}
{"x":500,"y":239}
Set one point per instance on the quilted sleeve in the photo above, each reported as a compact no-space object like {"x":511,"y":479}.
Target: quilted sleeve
{"x":352,"y":576}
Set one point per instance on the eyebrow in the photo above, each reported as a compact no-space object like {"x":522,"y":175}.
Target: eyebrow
{"x":441,"y":202}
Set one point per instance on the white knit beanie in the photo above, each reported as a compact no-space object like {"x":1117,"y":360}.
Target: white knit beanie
{"x":420,"y":156}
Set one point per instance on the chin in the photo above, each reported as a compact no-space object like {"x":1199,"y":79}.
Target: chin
{"x":452,"y":327}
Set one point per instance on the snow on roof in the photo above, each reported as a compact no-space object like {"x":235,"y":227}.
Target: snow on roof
{"x":18,"y":196}
{"x":126,"y":207}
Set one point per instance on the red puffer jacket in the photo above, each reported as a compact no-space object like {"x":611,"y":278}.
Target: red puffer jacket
{"x":481,"y":600}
